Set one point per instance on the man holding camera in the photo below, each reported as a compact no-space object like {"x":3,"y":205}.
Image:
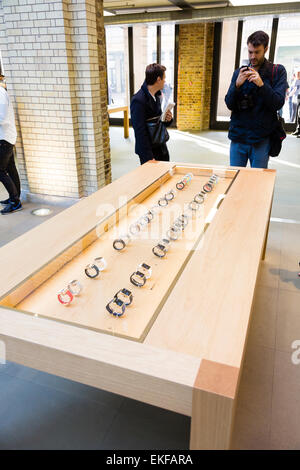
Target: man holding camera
{"x":256,"y":93}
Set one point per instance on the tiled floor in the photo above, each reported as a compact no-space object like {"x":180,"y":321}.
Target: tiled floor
{"x":41,"y":411}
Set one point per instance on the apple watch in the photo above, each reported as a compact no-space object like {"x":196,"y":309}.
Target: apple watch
{"x":145,"y":269}
{"x":208,"y":187}
{"x":65,"y":296}
{"x":135,"y":228}
{"x":173,"y":233}
{"x":100,"y":263}
{"x":92,"y":270}
{"x":194,"y":206}
{"x":170,"y":195}
{"x":199,"y":198}
{"x":75,"y":287}
{"x":149,"y":215}
{"x":180,"y":185}
{"x":138,"y":279}
{"x":163,"y":202}
{"x":161,"y":248}
{"x":125,"y":296}
{"x":120,"y":243}
{"x":116,"y":307}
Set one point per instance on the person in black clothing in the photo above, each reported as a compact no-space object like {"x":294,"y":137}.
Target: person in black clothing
{"x":255,"y":95}
{"x":146,"y":104}
{"x":8,"y":171}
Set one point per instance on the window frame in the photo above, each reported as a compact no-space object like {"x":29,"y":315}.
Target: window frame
{"x":119,"y":121}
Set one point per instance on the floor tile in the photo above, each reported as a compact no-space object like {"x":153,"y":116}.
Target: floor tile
{"x":36,"y":417}
{"x":285,"y":430}
{"x":251,"y":430}
{"x":140,"y":426}
{"x":258,"y":359}
{"x":288,"y":320}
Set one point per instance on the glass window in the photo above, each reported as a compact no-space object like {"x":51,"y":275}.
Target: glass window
{"x":288,"y":53}
{"x":117,"y":66}
{"x":250,"y":25}
{"x":144,"y":51}
{"x":167,"y":59}
{"x":227,"y":63}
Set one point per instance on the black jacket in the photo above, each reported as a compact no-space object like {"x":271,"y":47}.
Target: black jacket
{"x":142,"y":108}
{"x":253,"y":125}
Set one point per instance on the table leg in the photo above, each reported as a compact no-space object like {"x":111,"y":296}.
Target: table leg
{"x":126,"y":124}
{"x":213,"y":409}
{"x":265,"y":242}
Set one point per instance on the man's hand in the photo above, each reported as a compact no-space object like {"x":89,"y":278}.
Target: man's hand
{"x":169,"y":116}
{"x":243,"y":76}
{"x":254,"y":77}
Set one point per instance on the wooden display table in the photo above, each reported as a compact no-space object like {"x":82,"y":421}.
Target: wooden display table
{"x":118,"y":109}
{"x":180,"y":345}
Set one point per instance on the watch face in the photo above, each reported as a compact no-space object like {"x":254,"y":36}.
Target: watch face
{"x":118,"y":302}
{"x":138,"y":273}
{"x":145,"y":266}
{"x":126,"y":292}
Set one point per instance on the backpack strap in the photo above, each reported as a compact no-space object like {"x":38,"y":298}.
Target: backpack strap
{"x":273,"y":68}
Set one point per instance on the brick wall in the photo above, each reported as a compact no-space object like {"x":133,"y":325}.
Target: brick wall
{"x":194,"y":75}
{"x":51,"y":60}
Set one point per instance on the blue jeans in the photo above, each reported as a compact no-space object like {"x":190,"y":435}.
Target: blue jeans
{"x":258,"y":154}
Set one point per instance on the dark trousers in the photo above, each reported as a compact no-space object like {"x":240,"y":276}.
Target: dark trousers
{"x":8,"y":171}
{"x":160,"y":152}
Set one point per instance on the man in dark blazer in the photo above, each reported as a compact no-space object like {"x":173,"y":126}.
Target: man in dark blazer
{"x":256,"y":93}
{"x":146,"y":104}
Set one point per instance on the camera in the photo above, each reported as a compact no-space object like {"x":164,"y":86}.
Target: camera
{"x":245,"y":102}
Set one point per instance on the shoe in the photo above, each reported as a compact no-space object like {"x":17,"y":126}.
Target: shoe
{"x":6,"y":201}
{"x":11,"y":207}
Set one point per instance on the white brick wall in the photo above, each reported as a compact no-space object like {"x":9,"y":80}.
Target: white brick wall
{"x":53,"y":75}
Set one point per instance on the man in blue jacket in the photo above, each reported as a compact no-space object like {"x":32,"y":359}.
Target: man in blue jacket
{"x":145,"y":105}
{"x":256,"y":93}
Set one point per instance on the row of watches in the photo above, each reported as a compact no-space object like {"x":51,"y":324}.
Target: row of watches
{"x":66,"y":296}
{"x":138,"y":278}
{"x":135,"y":228}
{"x":178,"y":226}
{"x":124,"y":297}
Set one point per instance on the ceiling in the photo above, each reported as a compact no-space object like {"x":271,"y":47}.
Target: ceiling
{"x":137,"y":6}
{"x":118,"y":12}
{"x":119,"y":7}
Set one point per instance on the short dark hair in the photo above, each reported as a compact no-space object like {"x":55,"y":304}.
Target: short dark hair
{"x":258,"y":38}
{"x":153,"y":71}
